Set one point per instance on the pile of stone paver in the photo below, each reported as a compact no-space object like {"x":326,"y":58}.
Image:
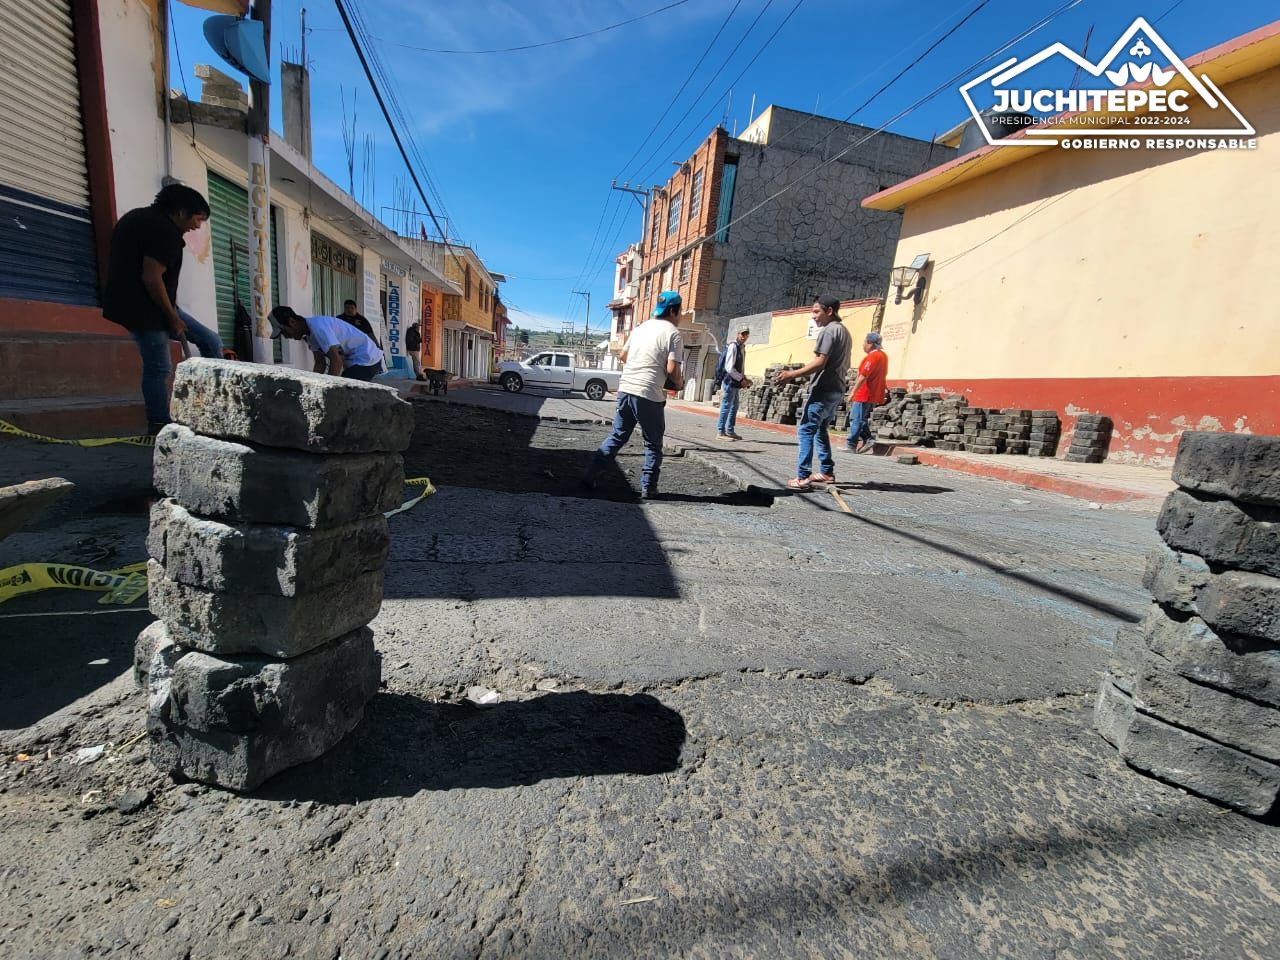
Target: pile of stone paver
{"x":1193,"y":693}
{"x":772,"y":402}
{"x":267,"y":559}
{"x":946,"y":421}
{"x":1091,"y":440}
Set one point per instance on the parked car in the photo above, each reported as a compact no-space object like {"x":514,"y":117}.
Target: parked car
{"x":556,"y":370}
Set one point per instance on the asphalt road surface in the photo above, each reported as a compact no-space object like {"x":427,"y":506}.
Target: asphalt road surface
{"x":733,"y":723}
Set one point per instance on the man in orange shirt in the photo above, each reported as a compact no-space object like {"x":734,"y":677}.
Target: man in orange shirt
{"x":868,"y":390}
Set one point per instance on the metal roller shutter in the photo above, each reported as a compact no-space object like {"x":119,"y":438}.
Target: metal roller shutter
{"x":46,"y":236}
{"x":229,"y":226}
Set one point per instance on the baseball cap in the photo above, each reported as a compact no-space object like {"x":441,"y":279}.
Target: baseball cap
{"x":830,"y":302}
{"x":873,"y":338}
{"x":277,"y":317}
{"x":668,"y":300}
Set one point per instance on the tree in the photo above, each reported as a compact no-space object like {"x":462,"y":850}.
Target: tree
{"x":524,"y":337}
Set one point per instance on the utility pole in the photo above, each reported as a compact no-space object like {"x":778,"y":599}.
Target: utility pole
{"x":258,"y":129}
{"x":635,"y":195}
{"x":586,"y":329}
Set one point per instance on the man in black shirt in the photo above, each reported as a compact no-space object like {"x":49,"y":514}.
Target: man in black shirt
{"x":358,"y":320}
{"x":413,"y":344}
{"x":142,"y":288}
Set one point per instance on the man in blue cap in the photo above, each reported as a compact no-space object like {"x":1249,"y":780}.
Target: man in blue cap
{"x":651,"y":364}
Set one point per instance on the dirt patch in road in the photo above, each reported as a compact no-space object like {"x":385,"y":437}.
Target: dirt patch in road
{"x":466,"y":446}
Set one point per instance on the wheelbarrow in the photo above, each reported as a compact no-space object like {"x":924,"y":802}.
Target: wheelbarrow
{"x":437,"y":380}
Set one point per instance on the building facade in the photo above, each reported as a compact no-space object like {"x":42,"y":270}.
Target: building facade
{"x":627,"y":267}
{"x":97,"y":143}
{"x":1135,"y":283}
{"x":791,"y":245}
{"x":469,"y":311}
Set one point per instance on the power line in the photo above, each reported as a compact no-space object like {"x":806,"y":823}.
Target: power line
{"x":544,"y":43}
{"x":707,"y":86}
{"x":395,"y":133}
{"x":951,"y":31}
{"x":676,"y":96}
{"x":945,"y":85}
{"x":383,"y":73}
{"x":1034,"y":211}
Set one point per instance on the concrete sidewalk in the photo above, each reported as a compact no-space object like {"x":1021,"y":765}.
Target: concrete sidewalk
{"x":1104,"y":483}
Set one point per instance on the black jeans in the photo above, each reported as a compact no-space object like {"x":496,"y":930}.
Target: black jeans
{"x":367,"y":372}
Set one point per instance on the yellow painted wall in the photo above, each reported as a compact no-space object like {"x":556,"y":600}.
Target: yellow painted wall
{"x":789,"y":337}
{"x":471,"y":310}
{"x":1131,"y":263}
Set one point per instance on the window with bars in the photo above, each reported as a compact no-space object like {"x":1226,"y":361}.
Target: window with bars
{"x":673,"y":213}
{"x":695,"y":197}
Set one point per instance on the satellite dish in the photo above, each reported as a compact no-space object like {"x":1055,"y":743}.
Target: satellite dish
{"x":241,"y":43}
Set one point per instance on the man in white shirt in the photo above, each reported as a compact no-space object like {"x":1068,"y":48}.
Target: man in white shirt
{"x":651,"y":361}
{"x":340,"y":349}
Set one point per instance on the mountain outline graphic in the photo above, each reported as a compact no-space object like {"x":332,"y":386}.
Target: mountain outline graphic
{"x":1122,"y":76}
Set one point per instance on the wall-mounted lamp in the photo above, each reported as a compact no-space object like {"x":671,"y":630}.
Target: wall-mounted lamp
{"x":902,"y":277}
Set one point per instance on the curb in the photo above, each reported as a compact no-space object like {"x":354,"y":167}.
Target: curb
{"x":1066,"y":486}
{"x":714,"y":414}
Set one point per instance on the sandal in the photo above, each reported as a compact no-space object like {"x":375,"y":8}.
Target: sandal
{"x":799,"y":483}
{"x":822,"y":478}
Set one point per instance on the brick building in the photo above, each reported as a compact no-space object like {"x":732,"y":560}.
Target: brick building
{"x":814,"y":238}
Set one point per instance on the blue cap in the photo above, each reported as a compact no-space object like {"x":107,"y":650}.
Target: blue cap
{"x":668,"y":301}
{"x":873,"y":338}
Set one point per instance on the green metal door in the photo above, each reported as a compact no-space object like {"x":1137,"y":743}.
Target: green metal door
{"x":229,"y":223}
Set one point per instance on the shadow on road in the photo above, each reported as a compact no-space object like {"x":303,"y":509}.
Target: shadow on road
{"x":1038,"y":583}
{"x":874,"y":486}
{"x":405,"y":745}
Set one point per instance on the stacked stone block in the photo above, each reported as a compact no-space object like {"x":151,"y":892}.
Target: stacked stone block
{"x":1193,"y":693}
{"x":1091,"y":440}
{"x":921,"y":418}
{"x":772,"y":402}
{"x":267,"y":556}
{"x":1042,"y":439}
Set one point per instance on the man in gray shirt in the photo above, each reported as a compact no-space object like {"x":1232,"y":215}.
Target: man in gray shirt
{"x":830,"y":363}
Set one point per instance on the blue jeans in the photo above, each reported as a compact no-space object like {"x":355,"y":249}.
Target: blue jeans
{"x":728,"y":407}
{"x":652,"y":418}
{"x":860,"y":422}
{"x":818,"y":414}
{"x":153,"y":347}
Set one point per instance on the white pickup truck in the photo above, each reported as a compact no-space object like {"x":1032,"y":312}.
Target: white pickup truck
{"x":556,"y":370}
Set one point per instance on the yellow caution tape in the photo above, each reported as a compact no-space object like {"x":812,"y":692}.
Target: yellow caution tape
{"x":428,"y":488}
{"x":124,"y":585}
{"x":6,"y":427}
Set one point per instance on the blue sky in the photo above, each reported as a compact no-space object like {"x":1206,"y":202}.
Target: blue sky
{"x":522,"y":146}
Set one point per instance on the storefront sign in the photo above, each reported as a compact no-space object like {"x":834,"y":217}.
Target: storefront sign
{"x":393,"y":318}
